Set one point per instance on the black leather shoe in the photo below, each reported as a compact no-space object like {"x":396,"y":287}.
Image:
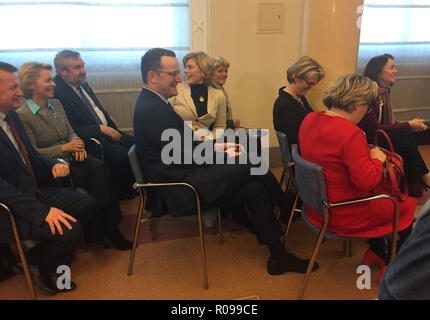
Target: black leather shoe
{"x":288,"y":263}
{"x":118,"y":240}
{"x":121,"y":243}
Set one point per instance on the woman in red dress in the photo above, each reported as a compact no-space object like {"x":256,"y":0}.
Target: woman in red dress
{"x":332,"y":140}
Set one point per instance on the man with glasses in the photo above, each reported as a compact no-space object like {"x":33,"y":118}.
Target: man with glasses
{"x":217,"y":184}
{"x":90,"y":120}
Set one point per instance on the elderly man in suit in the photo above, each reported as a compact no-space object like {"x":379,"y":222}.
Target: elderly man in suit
{"x":90,"y":120}
{"x":51,"y":216}
{"x":217,"y":184}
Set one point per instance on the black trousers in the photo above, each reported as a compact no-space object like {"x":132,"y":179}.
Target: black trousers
{"x":91,"y":175}
{"x":404,"y":144}
{"x":259,"y":194}
{"x":117,"y":161}
{"x":54,"y":250}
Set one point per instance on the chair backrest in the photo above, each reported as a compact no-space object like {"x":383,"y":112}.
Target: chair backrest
{"x":135,"y":165}
{"x":310,"y":181}
{"x":285,"y":150}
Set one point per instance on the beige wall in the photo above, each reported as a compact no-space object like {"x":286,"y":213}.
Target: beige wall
{"x":331,"y":36}
{"x":323,"y":29}
{"x":258,"y":61}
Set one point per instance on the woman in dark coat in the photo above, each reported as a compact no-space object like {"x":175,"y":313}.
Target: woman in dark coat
{"x":291,"y":106}
{"x":382,"y":69}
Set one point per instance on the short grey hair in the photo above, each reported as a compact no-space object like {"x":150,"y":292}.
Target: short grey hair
{"x":349,"y":89}
{"x":28,"y":74}
{"x":303,"y":67}
{"x":61,"y":58}
{"x":220,"y":61}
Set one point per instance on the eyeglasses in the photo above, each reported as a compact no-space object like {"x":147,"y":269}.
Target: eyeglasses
{"x":173,"y":74}
{"x":310,"y":84}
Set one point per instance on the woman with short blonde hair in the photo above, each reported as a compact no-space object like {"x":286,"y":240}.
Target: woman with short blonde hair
{"x":198,"y":100}
{"x":348,"y":90}
{"x":332,"y":140}
{"x":204,"y":63}
{"x":305,"y":67}
{"x":291,"y":106}
{"x":28,"y":74}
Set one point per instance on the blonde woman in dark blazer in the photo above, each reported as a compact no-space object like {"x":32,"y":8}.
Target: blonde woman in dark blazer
{"x":197,"y":100}
{"x":51,"y":135}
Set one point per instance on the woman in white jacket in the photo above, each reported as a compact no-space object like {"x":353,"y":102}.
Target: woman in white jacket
{"x":198,"y":101}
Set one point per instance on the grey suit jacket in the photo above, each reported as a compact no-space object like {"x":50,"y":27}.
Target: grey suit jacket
{"x":47,"y":132}
{"x":183,"y":104}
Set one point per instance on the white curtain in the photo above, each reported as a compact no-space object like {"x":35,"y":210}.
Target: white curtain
{"x":111,"y":35}
{"x":401,"y":28}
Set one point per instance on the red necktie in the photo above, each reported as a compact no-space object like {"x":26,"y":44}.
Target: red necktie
{"x":23,"y":150}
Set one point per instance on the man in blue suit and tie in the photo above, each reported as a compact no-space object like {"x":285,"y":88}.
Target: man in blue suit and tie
{"x":89,"y":119}
{"x":51,"y":216}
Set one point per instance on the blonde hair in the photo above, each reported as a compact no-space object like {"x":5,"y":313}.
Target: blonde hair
{"x":304,"y":66}
{"x":204,"y":62}
{"x":349,"y":89}
{"x":29,"y":73}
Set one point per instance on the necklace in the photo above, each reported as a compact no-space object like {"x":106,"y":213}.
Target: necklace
{"x":200,"y":91}
{"x":335,"y":113}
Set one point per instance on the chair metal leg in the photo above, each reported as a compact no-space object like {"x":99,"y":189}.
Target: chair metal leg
{"x":314,"y":255}
{"x":347,"y":247}
{"x":290,"y":220}
{"x":202,"y":245}
{"x":395,"y":227}
{"x":221,"y":236}
{"x":155,"y":229}
{"x":136,"y":232}
{"x":290,"y":179}
{"x":23,"y":259}
{"x":311,"y":265}
{"x":281,"y":182}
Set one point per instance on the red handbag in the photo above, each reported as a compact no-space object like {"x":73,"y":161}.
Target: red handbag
{"x":393,"y":175}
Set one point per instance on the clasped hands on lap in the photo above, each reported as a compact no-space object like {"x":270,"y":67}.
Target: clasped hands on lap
{"x":417,"y":125}
{"x":77,"y":148}
{"x":232,"y":149}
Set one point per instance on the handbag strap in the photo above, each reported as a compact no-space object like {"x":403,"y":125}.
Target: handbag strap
{"x":400,"y":195}
{"x":386,"y":138}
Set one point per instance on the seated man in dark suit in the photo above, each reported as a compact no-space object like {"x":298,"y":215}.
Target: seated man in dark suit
{"x":90,"y":120}
{"x":53,"y":217}
{"x":217,"y":184}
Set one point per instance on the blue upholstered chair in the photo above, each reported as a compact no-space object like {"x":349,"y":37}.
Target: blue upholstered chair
{"x":287,"y":160}
{"x":312,"y":190}
{"x":206,"y":219}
